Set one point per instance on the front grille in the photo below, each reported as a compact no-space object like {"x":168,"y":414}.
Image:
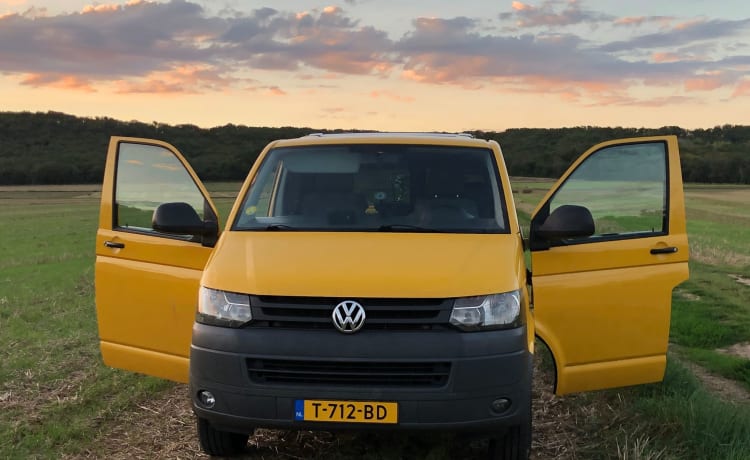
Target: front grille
{"x":348,"y":373}
{"x":382,"y":313}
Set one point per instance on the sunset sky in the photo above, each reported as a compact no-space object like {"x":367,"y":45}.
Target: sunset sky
{"x":419,"y":65}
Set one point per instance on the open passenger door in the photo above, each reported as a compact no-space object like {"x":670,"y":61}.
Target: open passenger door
{"x":608,"y":246}
{"x":147,"y":280}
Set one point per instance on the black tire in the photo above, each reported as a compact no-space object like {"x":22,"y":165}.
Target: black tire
{"x":514,"y":444}
{"x":220,"y":443}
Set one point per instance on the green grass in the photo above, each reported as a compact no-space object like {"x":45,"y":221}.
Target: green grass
{"x":56,"y":395}
{"x":710,"y":311}
{"x":683,"y":416}
{"x":54,"y":390}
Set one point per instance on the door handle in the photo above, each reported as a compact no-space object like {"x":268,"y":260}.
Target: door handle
{"x":667,"y":250}
{"x":114,"y":245}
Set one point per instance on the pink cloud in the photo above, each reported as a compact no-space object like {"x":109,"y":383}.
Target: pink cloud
{"x":385,"y":94}
{"x":99,"y":8}
{"x":665,"y":57}
{"x":57,"y":81}
{"x":637,"y":21}
{"x":519,"y":6}
{"x":742,"y":89}
{"x":186,"y":79}
{"x":350,"y":63}
{"x":703,"y":84}
{"x":631,"y":21}
{"x":109,"y":7}
{"x":688,"y":24}
{"x":276,"y":91}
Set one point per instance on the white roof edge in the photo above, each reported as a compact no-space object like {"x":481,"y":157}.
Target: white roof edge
{"x":392,"y":134}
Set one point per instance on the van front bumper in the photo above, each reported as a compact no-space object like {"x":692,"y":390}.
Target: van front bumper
{"x":483,"y":367}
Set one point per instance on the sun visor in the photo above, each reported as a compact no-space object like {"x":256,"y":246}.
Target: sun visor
{"x":322,"y":161}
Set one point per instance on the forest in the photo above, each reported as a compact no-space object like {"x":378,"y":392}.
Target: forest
{"x":56,"y":148}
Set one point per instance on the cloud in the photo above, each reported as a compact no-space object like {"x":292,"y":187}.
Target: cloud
{"x":451,"y":51}
{"x":703,"y":84}
{"x":548,"y":15}
{"x":140,"y":43}
{"x":70,"y":82}
{"x":185,"y":79}
{"x":637,"y":21}
{"x":742,"y":88}
{"x":276,"y":91}
{"x":679,"y":35}
{"x":107,"y":43}
{"x":326,"y":39}
{"x":390,"y":95}
{"x":178,"y":47}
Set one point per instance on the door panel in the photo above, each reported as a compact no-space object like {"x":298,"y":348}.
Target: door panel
{"x":146,"y":281}
{"x":602,"y":302}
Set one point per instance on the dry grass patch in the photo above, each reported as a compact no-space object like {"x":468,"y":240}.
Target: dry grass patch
{"x":713,"y":255}
{"x":740,"y":279}
{"x":575,"y":427}
{"x":725,"y":389}
{"x":741,"y":350}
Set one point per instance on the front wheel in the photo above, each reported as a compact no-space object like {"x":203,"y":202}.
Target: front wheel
{"x":514,"y":444}
{"x":220,"y":443}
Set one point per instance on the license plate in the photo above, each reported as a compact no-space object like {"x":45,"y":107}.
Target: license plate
{"x":313,"y":410}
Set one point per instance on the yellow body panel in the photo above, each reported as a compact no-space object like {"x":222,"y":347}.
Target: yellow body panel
{"x":603,"y":308}
{"x":146,"y":292}
{"x":359,"y":264}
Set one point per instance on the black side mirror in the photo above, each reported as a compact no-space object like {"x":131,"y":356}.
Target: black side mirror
{"x":182,"y":219}
{"x":567,"y":221}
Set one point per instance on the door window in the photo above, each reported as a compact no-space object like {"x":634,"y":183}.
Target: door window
{"x":624,"y":187}
{"x":148,"y":176}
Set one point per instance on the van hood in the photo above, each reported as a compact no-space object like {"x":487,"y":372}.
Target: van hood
{"x":354,"y":264}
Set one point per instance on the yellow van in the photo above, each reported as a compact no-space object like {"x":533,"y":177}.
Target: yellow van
{"x":378,"y":281}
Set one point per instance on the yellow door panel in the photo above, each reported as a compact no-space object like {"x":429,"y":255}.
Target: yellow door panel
{"x":602,"y":301}
{"x":146,"y":281}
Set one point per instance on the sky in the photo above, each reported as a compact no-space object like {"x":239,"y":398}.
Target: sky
{"x":422,"y":65}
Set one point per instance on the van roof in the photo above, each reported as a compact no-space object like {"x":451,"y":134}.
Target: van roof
{"x":464,"y":139}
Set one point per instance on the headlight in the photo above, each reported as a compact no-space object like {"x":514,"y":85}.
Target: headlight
{"x":494,"y":311}
{"x":221,"y":308}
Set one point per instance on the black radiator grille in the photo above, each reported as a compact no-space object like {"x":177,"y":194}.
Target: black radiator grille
{"x":315,"y":312}
{"x":348,"y":373}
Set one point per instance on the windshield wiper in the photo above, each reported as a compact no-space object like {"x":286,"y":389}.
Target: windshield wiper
{"x":279,"y":228}
{"x":407,"y":228}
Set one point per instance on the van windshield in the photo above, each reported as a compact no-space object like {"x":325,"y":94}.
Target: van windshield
{"x":366,"y":187}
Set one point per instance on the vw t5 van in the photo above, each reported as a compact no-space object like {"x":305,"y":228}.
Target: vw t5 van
{"x":378,"y":281}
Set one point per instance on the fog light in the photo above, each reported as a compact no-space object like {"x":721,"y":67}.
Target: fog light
{"x":500,"y":405}
{"x":206,"y":398}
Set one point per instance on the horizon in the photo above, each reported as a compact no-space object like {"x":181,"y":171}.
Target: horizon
{"x":313,"y":128}
{"x":385,"y":66}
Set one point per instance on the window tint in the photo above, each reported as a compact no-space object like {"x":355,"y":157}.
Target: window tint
{"x":376,"y":187}
{"x":148,"y":176}
{"x":624,"y":187}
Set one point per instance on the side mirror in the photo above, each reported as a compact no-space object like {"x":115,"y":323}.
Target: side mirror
{"x":567,"y":221}
{"x":181,"y":218}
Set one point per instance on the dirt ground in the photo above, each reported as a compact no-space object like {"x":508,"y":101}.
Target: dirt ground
{"x":165,"y":428}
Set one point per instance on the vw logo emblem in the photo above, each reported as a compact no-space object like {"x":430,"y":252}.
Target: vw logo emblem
{"x":348,"y":316}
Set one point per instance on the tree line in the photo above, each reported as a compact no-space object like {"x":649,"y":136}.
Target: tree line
{"x":56,"y":148}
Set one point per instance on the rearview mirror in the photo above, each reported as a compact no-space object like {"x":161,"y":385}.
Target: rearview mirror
{"x":567,"y":221}
{"x":182,"y":219}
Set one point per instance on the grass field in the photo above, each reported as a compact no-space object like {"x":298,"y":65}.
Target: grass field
{"x":58,"y":400}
